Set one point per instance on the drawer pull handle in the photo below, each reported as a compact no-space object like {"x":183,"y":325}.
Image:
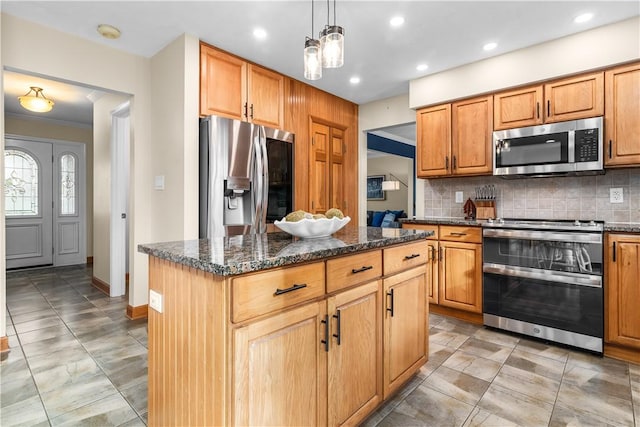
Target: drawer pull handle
{"x":360,"y":270}
{"x":412,"y":256}
{"x":291,"y":289}
{"x":325,"y":341}
{"x":457,"y":234}
{"x":390,"y":309}
{"x":337,"y":335}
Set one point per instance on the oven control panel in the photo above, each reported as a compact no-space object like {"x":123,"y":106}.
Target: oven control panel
{"x":586,"y":143}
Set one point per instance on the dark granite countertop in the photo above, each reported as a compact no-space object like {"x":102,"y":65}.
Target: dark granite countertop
{"x":228,"y":256}
{"x":442,"y":221}
{"x":622,"y":227}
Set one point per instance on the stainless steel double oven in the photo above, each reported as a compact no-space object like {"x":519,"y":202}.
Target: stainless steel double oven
{"x":544,"y":279}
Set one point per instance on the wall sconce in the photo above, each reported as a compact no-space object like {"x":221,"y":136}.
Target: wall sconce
{"x":35,"y":101}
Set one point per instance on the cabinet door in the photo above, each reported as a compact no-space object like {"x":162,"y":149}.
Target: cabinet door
{"x":405,"y":327}
{"x":355,"y":354}
{"x":319,"y":168}
{"x":574,"y":98}
{"x":432,"y":271}
{"x":434,"y":140}
{"x":265,"y":97}
{"x":472,"y":136}
{"x":622,"y":109}
{"x":336,"y":177}
{"x":223,"y":84}
{"x":461,"y":276}
{"x":518,"y":108}
{"x":623,"y":290}
{"x":279,"y":370}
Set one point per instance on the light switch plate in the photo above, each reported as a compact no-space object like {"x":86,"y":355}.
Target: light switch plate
{"x":616,"y":195}
{"x":155,"y":301}
{"x":158,"y":182}
{"x":459,"y":196}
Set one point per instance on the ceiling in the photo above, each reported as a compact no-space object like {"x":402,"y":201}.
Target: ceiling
{"x":442,"y":34}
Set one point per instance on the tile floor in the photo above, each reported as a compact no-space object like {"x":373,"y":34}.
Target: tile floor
{"x":76,"y":360}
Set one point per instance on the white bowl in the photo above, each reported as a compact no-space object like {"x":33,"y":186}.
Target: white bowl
{"x":312,"y":228}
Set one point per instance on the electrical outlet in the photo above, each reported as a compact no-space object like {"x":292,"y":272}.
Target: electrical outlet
{"x":459,"y":196}
{"x":616,"y":195}
{"x":155,"y":301}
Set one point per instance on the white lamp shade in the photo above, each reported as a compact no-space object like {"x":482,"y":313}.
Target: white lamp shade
{"x":35,"y":101}
{"x":390,"y":185}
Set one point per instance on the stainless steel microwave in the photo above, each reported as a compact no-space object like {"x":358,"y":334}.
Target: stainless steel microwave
{"x":567,"y":148}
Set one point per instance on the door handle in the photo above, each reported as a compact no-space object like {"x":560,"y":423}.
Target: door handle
{"x":614,"y":252}
{"x":245,"y":110}
{"x":390,"y":309}
{"x":446,"y":162}
{"x":338,"y":334}
{"x":609,"y":148}
{"x":325,"y":341}
{"x":454,"y":163}
{"x":538,"y":109}
{"x":548,"y":107}
{"x":440,"y":252}
{"x":251,"y":111}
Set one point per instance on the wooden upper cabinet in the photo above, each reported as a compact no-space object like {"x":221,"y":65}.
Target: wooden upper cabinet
{"x":434,"y":140}
{"x":223,"y":83}
{"x":623,"y":290}
{"x":231,"y":87}
{"x":518,"y":108}
{"x":622,"y":109}
{"x":574,"y":98}
{"x":472,"y":136}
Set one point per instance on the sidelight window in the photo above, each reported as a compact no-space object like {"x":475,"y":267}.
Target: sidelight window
{"x":68,"y":185}
{"x":21,"y":173}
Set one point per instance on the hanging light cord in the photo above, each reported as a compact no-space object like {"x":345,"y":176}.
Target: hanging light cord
{"x":334,"y":13}
{"x":312,"y":33}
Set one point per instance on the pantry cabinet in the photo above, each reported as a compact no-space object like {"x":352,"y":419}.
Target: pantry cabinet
{"x":622,"y":270}
{"x":326,"y":174}
{"x":234,"y":88}
{"x":622,"y":109}
{"x":572,"y":98}
{"x":455,"y":139}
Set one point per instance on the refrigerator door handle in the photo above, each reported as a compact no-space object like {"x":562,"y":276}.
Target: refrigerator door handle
{"x":265,"y":184}
{"x":258,"y":185}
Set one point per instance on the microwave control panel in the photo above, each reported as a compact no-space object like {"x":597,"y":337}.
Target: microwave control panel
{"x":586,"y":145}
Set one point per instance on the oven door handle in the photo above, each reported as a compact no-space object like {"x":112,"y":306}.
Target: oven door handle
{"x":543,"y":235}
{"x":546,"y":275}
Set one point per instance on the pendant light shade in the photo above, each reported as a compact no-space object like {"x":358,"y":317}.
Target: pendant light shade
{"x":312,"y":59}
{"x":35,"y":101}
{"x":332,"y":42}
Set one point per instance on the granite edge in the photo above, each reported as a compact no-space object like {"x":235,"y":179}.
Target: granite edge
{"x":622,"y":227}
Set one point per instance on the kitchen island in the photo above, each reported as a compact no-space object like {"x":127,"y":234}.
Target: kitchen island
{"x":273,"y":330}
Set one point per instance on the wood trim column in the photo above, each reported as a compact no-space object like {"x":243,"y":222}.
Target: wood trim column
{"x":137,"y":312}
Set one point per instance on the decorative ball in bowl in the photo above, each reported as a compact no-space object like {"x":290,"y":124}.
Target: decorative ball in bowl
{"x":308,"y":228}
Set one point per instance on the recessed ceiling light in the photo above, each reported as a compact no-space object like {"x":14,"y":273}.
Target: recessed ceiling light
{"x":490,"y":46}
{"x":108,"y":31}
{"x":396,"y":21}
{"x":422,"y":67}
{"x":354,"y":80}
{"x":583,"y":18}
{"x":260,"y":34}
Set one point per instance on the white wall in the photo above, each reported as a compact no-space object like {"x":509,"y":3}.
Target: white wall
{"x":3,"y":269}
{"x":36,"y":49}
{"x":597,"y":48}
{"x":373,"y":116}
{"x":34,"y":127}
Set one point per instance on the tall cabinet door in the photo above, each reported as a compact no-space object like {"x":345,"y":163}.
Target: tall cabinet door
{"x":461,"y":276}
{"x":223,"y":84}
{"x":355,"y":354}
{"x":472,"y":136}
{"x":405,"y":326}
{"x":622,"y":109}
{"x":434,"y":140}
{"x":280,"y":369}
{"x":623,"y":290}
{"x":319,"y":165}
{"x":337,"y":169}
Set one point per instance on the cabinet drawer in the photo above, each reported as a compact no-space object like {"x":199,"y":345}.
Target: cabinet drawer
{"x":428,"y":227}
{"x":352,"y":269}
{"x":406,"y":256}
{"x":261,"y":293}
{"x":461,"y":234}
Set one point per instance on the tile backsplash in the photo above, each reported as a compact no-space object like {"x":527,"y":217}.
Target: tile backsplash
{"x":584,"y":197}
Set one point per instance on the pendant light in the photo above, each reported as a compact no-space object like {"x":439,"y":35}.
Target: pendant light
{"x":34,"y":100}
{"x":312,"y":55}
{"x":332,"y":42}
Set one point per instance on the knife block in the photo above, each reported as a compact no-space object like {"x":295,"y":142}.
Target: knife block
{"x":485,"y":209}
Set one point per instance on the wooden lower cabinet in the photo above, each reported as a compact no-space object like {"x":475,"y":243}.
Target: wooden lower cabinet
{"x":460,"y":276}
{"x":405,"y":327}
{"x":279,"y":370}
{"x":354,"y":355}
{"x":622,"y":296}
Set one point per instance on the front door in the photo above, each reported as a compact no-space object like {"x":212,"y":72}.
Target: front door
{"x":44,"y":203}
{"x":28,"y":203}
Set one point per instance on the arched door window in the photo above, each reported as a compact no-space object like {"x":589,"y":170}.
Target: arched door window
{"x":21,"y":176}
{"x":68,"y":185}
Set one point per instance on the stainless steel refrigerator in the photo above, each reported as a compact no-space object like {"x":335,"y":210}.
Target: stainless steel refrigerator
{"x":246,"y":176}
